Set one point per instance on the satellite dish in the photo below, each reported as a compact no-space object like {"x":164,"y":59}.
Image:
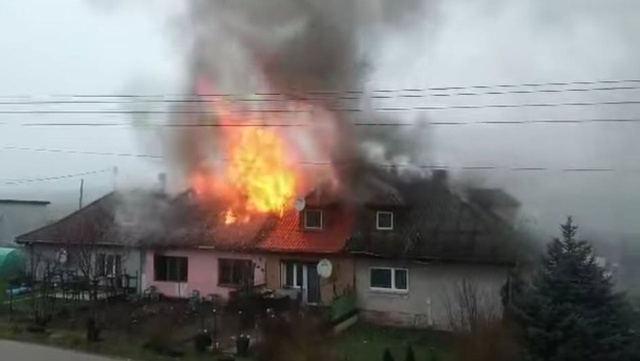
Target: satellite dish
{"x":300,"y":204}
{"x":325,"y":268}
{"x":62,"y":256}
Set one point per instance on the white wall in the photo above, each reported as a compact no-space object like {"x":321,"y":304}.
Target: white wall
{"x":425,"y":302}
{"x":19,"y":218}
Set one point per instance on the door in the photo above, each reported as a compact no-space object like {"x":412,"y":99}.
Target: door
{"x":313,"y":284}
{"x":303,"y":276}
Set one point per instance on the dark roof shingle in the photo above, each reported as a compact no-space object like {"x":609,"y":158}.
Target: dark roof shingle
{"x":437,"y":224}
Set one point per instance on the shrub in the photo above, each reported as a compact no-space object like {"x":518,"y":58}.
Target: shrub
{"x":410,"y":355}
{"x":159,"y":340}
{"x":201,"y":342}
{"x":387,"y":355}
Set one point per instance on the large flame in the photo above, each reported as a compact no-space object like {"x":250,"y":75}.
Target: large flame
{"x":258,"y":169}
{"x":258,"y":175}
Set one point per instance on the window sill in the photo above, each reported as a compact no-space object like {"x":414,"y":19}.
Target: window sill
{"x":388,"y":291}
{"x":156,"y":281}
{"x":229,"y":285}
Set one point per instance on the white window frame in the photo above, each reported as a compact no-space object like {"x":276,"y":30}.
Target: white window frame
{"x":378,"y":227}
{"x":294,"y":281}
{"x":393,"y":280}
{"x":306,"y":226}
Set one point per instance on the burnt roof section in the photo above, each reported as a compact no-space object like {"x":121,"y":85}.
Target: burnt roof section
{"x":437,"y":225}
{"x":490,"y":197}
{"x":200,"y":224}
{"x":24,"y":201}
{"x":113,"y":219}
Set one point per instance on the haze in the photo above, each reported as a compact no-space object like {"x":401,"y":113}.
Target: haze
{"x":76,"y":47}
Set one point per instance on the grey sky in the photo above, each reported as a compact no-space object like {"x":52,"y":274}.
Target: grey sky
{"x":70,"y":47}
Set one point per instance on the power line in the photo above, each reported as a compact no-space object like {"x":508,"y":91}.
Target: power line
{"x":586,"y":169}
{"x":346,"y":110}
{"x":359,"y":124}
{"x":71,"y":151}
{"x":383,"y":94}
{"x":32,"y":180}
{"x":364,"y":91}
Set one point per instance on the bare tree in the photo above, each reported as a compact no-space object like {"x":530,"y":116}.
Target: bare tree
{"x":470,"y":308}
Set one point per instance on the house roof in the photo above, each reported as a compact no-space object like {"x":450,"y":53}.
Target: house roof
{"x":195,"y":224}
{"x":118,"y":218}
{"x":439,"y":225}
{"x":24,"y":201}
{"x":286,"y":235}
{"x":492,"y":197}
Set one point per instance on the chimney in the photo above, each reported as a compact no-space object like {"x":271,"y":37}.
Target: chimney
{"x":440,"y":177}
{"x":162,"y":183}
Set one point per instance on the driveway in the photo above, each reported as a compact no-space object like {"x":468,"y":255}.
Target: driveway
{"x":18,"y":351}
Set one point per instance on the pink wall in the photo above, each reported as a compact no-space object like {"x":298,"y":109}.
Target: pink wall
{"x":202,"y":274}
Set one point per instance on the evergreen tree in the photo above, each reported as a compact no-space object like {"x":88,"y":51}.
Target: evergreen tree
{"x":387,"y":355}
{"x":410,"y":356}
{"x":569,"y":311}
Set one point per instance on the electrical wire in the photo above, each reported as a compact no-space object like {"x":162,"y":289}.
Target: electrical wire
{"x":586,"y":169}
{"x":346,"y":110}
{"x":205,"y":98}
{"x":358,"y":124}
{"x":44,"y":179}
{"x":388,"y":90}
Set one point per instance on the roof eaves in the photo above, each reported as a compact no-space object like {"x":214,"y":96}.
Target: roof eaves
{"x":92,"y":204}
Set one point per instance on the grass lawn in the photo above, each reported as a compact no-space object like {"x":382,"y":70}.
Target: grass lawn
{"x":365,"y":342}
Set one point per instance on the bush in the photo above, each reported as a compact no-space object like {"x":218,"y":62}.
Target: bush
{"x":201,"y":342}
{"x":299,"y":337}
{"x":491,"y":342}
{"x":410,"y":355}
{"x":432,"y":355}
{"x":73,"y":340}
{"x":387,"y":355}
{"x":159,"y":340}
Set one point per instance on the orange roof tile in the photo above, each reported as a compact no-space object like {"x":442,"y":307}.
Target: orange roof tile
{"x":288,"y":236}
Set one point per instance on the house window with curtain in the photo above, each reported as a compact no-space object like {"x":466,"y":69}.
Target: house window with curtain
{"x":171,"y":269}
{"x":389,"y":279}
{"x":108,"y":264}
{"x":235,"y":272}
{"x":292,"y":274}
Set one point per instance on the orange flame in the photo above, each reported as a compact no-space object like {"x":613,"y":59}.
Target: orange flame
{"x":257,"y":167}
{"x":257,"y":176}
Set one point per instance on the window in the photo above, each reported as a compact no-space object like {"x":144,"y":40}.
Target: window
{"x":171,"y":269}
{"x":109,"y":264}
{"x":313,"y":219}
{"x":384,"y":220}
{"x":292,"y":274}
{"x":393,"y":279}
{"x":235,"y":272}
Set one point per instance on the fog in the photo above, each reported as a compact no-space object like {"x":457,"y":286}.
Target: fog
{"x":455,"y":43}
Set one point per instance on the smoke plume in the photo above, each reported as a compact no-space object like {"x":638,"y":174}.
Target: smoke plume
{"x":308,"y":55}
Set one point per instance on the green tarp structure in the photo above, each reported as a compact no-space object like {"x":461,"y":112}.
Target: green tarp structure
{"x":11,"y":264}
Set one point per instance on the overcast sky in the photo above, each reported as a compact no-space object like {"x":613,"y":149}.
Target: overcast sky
{"x":73,"y":47}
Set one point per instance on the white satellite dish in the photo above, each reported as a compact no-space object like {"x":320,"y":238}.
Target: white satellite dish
{"x":325,"y":268}
{"x":300,"y":204}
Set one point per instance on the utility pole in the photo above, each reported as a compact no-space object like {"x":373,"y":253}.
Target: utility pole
{"x":81,"y":193}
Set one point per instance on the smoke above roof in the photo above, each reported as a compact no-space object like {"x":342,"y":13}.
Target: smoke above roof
{"x":316,"y":53}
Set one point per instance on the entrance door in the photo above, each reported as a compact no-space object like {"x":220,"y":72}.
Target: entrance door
{"x":303,"y":276}
{"x":313,"y":284}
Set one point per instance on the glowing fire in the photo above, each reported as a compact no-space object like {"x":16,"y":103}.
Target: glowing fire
{"x":257,"y":167}
{"x":257,"y":176}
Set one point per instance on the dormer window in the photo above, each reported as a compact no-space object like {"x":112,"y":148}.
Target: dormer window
{"x":384,"y":220}
{"x":312,"y":219}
